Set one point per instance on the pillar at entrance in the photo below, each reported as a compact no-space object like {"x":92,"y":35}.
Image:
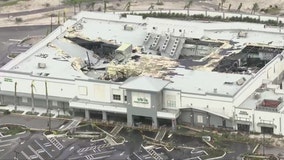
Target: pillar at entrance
{"x":129,"y":120}
{"x":154,"y":122}
{"x":104,"y":115}
{"x":174,"y":124}
{"x":87,"y":114}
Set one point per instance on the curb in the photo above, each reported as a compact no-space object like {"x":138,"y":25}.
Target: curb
{"x":218,"y":157}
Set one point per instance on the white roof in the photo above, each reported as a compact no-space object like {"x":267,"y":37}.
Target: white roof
{"x":251,"y":101}
{"x":144,"y":84}
{"x":204,"y":82}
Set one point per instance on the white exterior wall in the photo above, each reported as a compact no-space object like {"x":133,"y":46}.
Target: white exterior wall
{"x":116,"y":90}
{"x":218,"y":105}
{"x":273,"y":117}
{"x":175,"y":95}
{"x":96,"y":91}
{"x":58,"y":88}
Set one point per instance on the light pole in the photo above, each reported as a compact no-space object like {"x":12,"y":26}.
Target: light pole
{"x":15,"y":96}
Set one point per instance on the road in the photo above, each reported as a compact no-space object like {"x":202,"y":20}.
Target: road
{"x":7,"y":33}
{"x":24,"y":13}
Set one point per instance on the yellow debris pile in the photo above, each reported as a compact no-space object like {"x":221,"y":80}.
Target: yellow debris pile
{"x":147,"y":65}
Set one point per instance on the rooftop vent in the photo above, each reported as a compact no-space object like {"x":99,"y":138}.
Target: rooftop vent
{"x":241,"y":81}
{"x":41,"y":65}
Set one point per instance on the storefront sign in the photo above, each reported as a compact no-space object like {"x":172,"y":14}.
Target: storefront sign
{"x":8,"y":80}
{"x":141,"y":101}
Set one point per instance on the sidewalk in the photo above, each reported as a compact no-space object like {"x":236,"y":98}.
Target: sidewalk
{"x":36,"y":109}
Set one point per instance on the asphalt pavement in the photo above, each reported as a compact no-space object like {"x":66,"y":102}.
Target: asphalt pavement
{"x":36,"y":11}
{"x":9,"y":34}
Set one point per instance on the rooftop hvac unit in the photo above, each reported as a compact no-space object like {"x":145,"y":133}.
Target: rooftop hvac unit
{"x":256,"y":95}
{"x":41,"y":65}
{"x":241,"y":81}
{"x":128,"y":27}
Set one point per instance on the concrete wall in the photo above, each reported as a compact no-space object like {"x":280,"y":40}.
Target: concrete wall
{"x":201,"y":118}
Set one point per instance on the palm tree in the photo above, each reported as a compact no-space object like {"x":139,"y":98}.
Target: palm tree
{"x":91,"y":4}
{"x":105,"y":5}
{"x":229,"y":8}
{"x":255,"y":8}
{"x":32,"y":90}
{"x":15,"y":97}
{"x":222,"y":4}
{"x":159,"y":2}
{"x":151,"y":7}
{"x":240,"y":6}
{"x":73,"y":3}
{"x":187,"y":6}
{"x":127,"y":6}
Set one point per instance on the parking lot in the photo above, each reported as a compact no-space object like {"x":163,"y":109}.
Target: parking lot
{"x":37,"y":146}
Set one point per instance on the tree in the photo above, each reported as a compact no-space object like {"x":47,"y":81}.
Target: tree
{"x":255,"y":8}
{"x":151,"y":7}
{"x":32,"y":92}
{"x":222,"y":4}
{"x":187,"y":6}
{"x":105,"y":5}
{"x":73,"y":3}
{"x":15,"y":96}
{"x":229,"y":8}
{"x":91,"y":4}
{"x":127,"y":6}
{"x":239,"y":7}
{"x":159,"y":2}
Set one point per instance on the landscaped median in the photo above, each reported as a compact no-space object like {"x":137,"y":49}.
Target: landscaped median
{"x":7,"y":130}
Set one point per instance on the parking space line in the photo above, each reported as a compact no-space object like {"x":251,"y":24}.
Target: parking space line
{"x":25,"y":155}
{"x":43,"y":148}
{"x":5,"y":145}
{"x":7,"y":140}
{"x":1,"y":150}
{"x":101,"y":157}
{"x":137,"y":156}
{"x":33,"y":150}
{"x":56,"y":143}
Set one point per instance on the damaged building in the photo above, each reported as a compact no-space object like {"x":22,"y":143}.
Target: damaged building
{"x":155,"y":72}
